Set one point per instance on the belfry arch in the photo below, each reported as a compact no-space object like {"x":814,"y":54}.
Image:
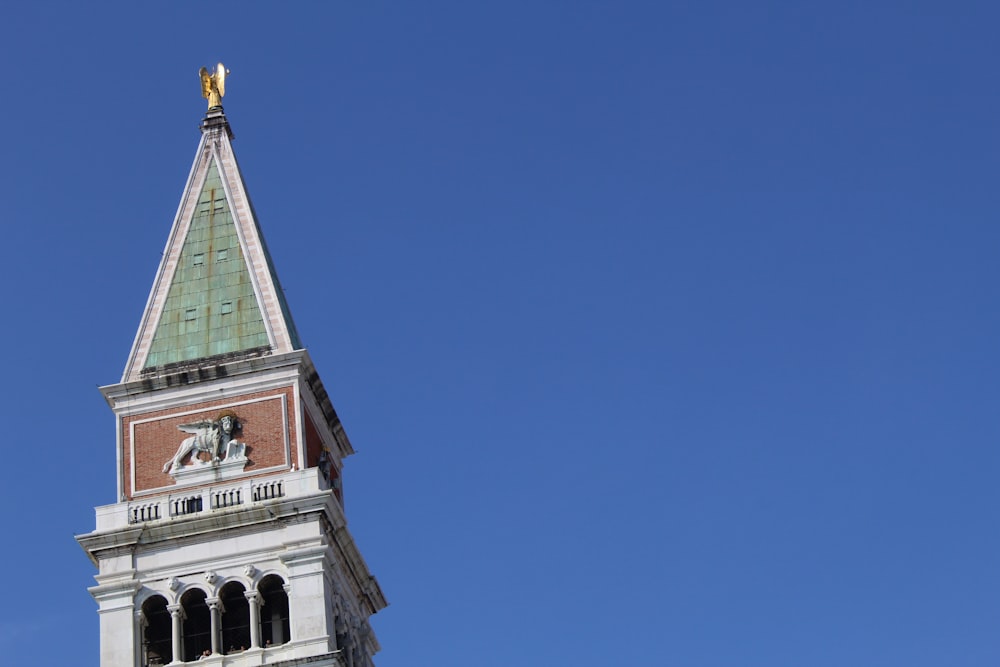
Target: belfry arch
{"x":197,"y":624}
{"x":274,"y":620}
{"x":156,"y":632}
{"x":235,"y":617}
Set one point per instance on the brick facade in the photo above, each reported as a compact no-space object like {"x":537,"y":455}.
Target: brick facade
{"x":314,"y":445}
{"x":266,"y":429}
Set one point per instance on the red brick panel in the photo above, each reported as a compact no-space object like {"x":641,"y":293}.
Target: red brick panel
{"x":313,"y":443}
{"x":157,"y":436}
{"x":314,"y":446}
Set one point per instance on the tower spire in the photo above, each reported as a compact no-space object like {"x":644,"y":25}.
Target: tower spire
{"x":216,"y":293}
{"x":229,"y":534}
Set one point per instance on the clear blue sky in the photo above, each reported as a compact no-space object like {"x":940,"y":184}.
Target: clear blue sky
{"x":667,"y":333}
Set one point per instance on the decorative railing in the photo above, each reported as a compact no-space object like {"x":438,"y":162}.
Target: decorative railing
{"x":141,"y":512}
{"x":212,"y":498}
{"x":227,"y":498}
{"x":268,"y":490}
{"x":186,"y":505}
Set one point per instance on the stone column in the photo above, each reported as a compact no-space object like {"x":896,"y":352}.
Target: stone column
{"x":140,"y":637}
{"x":115,"y":596}
{"x":253,"y":597}
{"x":176,"y":630}
{"x":215,"y":609}
{"x":349,"y":642}
{"x":310,"y":590}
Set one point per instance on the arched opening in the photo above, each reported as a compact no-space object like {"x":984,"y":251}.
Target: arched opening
{"x":197,"y":624}
{"x":274,"y":626}
{"x":236,"y":619}
{"x":340,"y":631}
{"x":156,"y":636}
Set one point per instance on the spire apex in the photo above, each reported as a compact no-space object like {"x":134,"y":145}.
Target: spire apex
{"x":215,"y":120}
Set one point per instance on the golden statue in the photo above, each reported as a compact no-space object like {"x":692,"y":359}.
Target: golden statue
{"x":213,"y":86}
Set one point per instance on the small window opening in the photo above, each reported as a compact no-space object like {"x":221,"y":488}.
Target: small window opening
{"x":190,"y":314}
{"x":340,"y":631}
{"x":222,"y":255}
{"x":227,"y":307}
{"x":274,"y":625}
{"x":199,"y":259}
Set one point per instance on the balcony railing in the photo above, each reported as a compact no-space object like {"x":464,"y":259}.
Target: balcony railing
{"x":212,"y":498}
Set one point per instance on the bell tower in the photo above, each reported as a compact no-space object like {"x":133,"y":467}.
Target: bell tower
{"x":228,"y":544}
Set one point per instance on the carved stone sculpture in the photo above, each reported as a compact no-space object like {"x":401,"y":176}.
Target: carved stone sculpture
{"x":211,"y":437}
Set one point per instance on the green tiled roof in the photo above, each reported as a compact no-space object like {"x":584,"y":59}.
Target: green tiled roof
{"x":210,"y":308}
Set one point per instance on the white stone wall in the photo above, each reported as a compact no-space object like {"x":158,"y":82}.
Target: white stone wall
{"x":301,"y":537}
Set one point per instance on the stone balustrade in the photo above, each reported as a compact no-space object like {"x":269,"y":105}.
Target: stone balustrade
{"x":187,"y":502}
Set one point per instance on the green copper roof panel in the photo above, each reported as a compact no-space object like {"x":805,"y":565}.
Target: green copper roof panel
{"x":210,"y":308}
